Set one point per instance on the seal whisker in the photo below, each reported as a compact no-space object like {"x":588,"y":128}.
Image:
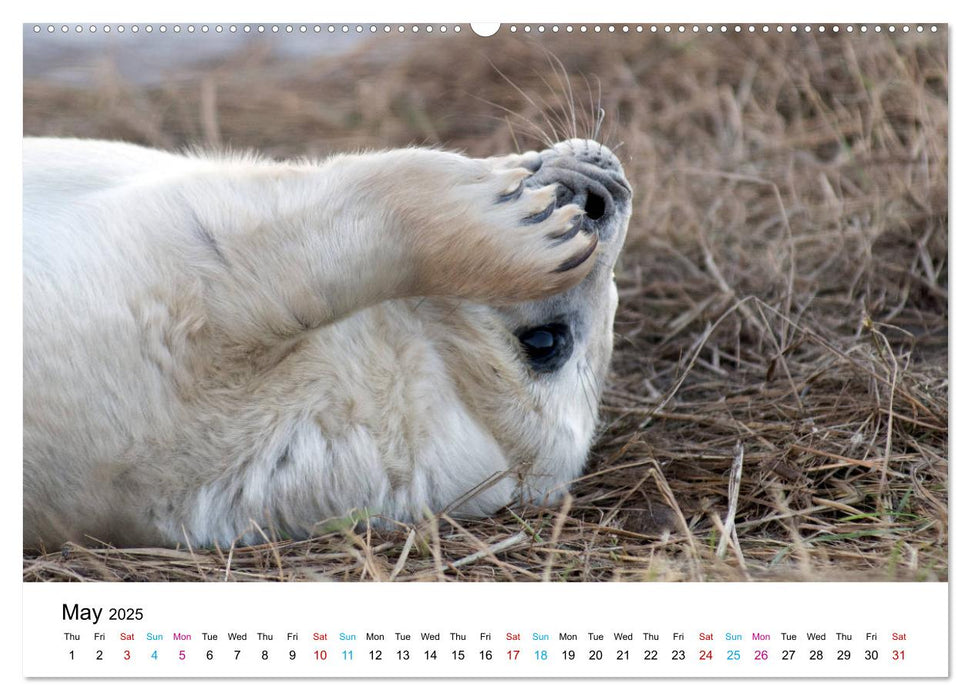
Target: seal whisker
{"x":599,"y":113}
{"x":589,"y":390}
{"x":589,"y":127}
{"x":567,"y":85}
{"x":562,"y":116}
{"x":528,"y":99}
{"x":538,"y":132}
{"x":512,"y":135}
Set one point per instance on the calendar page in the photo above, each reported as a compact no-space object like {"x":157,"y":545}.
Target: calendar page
{"x":610,"y":350}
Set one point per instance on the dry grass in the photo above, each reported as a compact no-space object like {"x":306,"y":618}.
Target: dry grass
{"x":779,"y":402}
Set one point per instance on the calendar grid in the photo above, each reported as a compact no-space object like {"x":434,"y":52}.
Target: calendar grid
{"x":515,"y":630}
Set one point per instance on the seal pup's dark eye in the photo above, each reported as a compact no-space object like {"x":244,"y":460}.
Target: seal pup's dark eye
{"x":547,"y":347}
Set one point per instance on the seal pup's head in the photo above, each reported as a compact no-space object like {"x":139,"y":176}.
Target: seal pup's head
{"x":575,"y":326}
{"x":534,"y":371}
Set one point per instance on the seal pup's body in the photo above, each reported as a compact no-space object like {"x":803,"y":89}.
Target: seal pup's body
{"x":223,"y":349}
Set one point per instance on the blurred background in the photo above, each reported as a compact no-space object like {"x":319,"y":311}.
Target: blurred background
{"x":784,"y":311}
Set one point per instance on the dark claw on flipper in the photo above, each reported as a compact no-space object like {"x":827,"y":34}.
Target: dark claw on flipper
{"x":578,"y":260}
{"x":509,"y":196}
{"x":569,"y":233}
{"x":540,"y":216}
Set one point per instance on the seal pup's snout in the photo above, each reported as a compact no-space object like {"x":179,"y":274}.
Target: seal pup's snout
{"x":589,"y":175}
{"x":571,"y":333}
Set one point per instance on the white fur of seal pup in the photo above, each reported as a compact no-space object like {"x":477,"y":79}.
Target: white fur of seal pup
{"x":221,"y":347}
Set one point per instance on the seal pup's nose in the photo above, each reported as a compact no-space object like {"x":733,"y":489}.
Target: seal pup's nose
{"x":587,"y":174}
